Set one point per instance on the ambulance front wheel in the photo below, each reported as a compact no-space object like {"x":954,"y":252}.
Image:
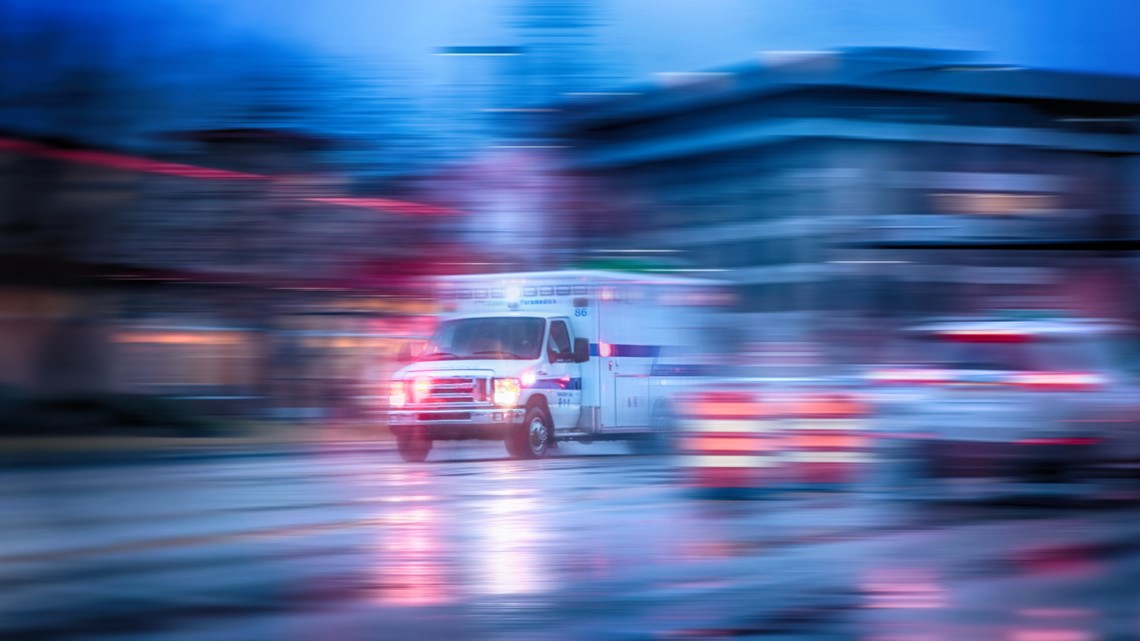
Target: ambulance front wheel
{"x":531,"y":438}
{"x":413,"y":449}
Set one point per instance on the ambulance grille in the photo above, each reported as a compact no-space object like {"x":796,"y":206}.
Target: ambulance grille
{"x":454,"y":391}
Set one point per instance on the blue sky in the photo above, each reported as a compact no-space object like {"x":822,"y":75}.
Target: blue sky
{"x":638,"y":37}
{"x":387,"y":45}
{"x":645,"y":36}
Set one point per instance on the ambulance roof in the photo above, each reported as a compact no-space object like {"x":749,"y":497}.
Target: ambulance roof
{"x":496,"y":313}
{"x":577,"y":275}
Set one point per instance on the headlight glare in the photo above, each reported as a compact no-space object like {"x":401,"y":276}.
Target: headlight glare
{"x":421,"y":388}
{"x":507,"y":392}
{"x":398,"y":395}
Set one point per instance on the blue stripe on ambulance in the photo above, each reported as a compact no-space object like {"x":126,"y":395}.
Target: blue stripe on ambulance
{"x":565,"y":383}
{"x":620,"y":349}
{"x":658,"y":369}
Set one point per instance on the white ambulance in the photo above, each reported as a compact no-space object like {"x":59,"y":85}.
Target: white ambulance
{"x":541,"y":357}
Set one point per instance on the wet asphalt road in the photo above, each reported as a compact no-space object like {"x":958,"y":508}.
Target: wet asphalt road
{"x":592,"y":543}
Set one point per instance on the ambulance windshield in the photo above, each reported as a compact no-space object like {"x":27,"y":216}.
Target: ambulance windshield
{"x":492,"y":338}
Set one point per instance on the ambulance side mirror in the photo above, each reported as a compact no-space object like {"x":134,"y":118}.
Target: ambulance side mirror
{"x":581,"y":350}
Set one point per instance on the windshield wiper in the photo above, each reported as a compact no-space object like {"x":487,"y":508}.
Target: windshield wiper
{"x":498,"y":352}
{"x":440,"y":356}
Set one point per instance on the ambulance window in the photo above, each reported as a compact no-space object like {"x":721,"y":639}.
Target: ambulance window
{"x":559,"y":343}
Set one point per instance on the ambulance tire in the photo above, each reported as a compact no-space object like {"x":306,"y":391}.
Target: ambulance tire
{"x":512,"y":445}
{"x":413,"y":449}
{"x":532,"y":438}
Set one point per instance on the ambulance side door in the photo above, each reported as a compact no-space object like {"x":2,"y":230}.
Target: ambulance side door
{"x":561,"y":376}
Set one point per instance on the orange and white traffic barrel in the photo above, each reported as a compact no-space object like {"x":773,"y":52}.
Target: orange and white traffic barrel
{"x":828,"y":440}
{"x":729,"y":440}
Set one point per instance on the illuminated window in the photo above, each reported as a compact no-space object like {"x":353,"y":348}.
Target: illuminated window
{"x":983,"y":203}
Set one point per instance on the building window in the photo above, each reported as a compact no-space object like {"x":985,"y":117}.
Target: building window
{"x":991,"y":204}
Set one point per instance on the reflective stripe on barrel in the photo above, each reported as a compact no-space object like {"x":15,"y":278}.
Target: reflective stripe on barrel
{"x":729,"y":440}
{"x":827,"y":439}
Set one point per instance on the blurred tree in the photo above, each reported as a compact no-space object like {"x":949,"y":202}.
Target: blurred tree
{"x":114,"y":74}
{"x":89,"y":93}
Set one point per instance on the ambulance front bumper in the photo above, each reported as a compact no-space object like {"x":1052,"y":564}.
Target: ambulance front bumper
{"x":455,"y":423}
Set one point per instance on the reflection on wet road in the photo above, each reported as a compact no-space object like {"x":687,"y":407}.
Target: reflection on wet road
{"x":589,"y":544}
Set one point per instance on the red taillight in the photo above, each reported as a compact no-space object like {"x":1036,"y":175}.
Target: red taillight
{"x":986,"y":336}
{"x":1059,"y":381}
{"x":911,"y":376}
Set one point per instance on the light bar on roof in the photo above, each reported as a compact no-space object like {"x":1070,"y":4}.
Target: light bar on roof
{"x":514,"y":291}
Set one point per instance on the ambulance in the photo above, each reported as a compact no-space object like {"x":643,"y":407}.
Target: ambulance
{"x":536,"y":358}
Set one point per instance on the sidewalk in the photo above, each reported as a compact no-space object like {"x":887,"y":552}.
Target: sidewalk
{"x":249,"y":439}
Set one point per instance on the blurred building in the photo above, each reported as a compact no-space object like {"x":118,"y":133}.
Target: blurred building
{"x":527,"y":211}
{"x":235,"y":271}
{"x":495,"y":94}
{"x":874,"y":185}
{"x":560,"y":46}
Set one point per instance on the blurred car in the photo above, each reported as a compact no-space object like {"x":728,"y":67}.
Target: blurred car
{"x":1050,"y":399}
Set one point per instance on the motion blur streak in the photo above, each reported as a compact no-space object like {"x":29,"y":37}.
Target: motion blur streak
{"x":544,"y":320}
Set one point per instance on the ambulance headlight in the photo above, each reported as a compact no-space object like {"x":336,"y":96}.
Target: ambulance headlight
{"x":398,"y":394}
{"x":421,"y":388}
{"x":507,"y":392}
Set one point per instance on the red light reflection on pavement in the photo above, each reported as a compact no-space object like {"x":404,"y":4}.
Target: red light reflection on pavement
{"x":903,"y":589}
{"x":411,"y":568}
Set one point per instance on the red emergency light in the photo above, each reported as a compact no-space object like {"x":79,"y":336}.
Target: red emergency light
{"x":986,"y":336}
